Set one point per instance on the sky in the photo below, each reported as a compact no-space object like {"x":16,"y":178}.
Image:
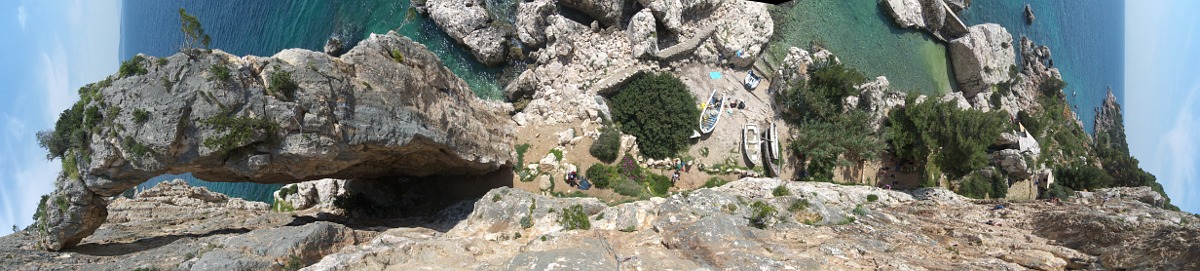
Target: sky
{"x":51,"y":48}
{"x":1162,"y":94}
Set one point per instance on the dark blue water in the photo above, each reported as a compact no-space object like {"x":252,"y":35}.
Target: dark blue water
{"x":265,"y":27}
{"x":1086,"y":38}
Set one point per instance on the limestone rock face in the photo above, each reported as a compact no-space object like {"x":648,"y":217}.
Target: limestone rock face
{"x":668,"y":12}
{"x":743,"y":36}
{"x":387,"y":108}
{"x":607,"y":12}
{"x":982,"y":58}
{"x":531,"y":21}
{"x":934,"y":13}
{"x":906,"y":13}
{"x":643,"y":35}
{"x":1012,"y":163}
{"x":315,"y":193}
{"x":71,"y":213}
{"x":469,"y":23}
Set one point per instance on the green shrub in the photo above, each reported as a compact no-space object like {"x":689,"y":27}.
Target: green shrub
{"x":761,"y":214}
{"x":1052,"y":87}
{"x":781,"y":191}
{"x":160,"y":61}
{"x":521,"y":149}
{"x":629,"y":189}
{"x":397,"y":56}
{"x":37,"y":215}
{"x":607,"y":145}
{"x":136,"y":149}
{"x":132,"y":67}
{"x":558,"y":154}
{"x":573,"y":218}
{"x":659,"y":110}
{"x":602,"y":176}
{"x":659,"y":184}
{"x":714,"y":182}
{"x":860,"y":210}
{"x":820,"y":98}
{"x":293,"y":263}
{"x":238,"y":131}
{"x":917,"y":130}
{"x":798,"y":205}
{"x":872,"y":198}
{"x":978,"y":186}
{"x":219,"y":73}
{"x":1033,"y":125}
{"x":1057,"y":191}
{"x":289,"y":190}
{"x":526,"y":222}
{"x":282,"y":84}
{"x":70,"y":167}
{"x":140,"y":116}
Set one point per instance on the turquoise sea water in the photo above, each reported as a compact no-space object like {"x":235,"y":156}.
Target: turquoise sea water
{"x":1086,"y":39}
{"x":266,"y":27}
{"x":860,"y":34}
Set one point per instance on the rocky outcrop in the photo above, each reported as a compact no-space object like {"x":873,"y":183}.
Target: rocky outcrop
{"x":1109,"y":124}
{"x":469,"y":23}
{"x":1029,"y":15}
{"x":982,"y":58}
{"x":906,"y":13}
{"x":742,"y":38}
{"x":741,"y":225}
{"x":317,"y":193}
{"x":668,"y":12}
{"x":643,"y":35}
{"x":1012,"y":162}
{"x":70,"y":213}
{"x":531,"y":21}
{"x":387,"y":108}
{"x":607,"y":12}
{"x":938,"y":17}
{"x":334,"y":46}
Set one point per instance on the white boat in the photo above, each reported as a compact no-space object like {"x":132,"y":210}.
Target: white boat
{"x":773,"y":143}
{"x":751,"y":81}
{"x":751,"y":145}
{"x":710,"y":112}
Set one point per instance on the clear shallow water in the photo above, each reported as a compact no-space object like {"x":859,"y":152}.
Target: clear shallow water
{"x":265,"y":27}
{"x":1086,"y":39}
{"x":862,"y":36}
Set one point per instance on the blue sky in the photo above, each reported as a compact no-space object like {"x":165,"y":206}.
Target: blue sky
{"x":51,"y":48}
{"x":1162,"y":94}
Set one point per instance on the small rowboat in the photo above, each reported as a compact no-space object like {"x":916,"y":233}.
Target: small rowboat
{"x":710,"y":113}
{"x":751,"y":145}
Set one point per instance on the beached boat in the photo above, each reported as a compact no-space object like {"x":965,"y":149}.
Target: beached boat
{"x":710,"y":112}
{"x":751,"y":145}
{"x":773,"y":143}
{"x":751,"y":81}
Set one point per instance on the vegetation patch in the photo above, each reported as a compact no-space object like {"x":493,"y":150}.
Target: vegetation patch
{"x":978,"y":185}
{"x":606,"y":147}
{"x":761,"y":214}
{"x":659,"y":111}
{"x":238,"y":131}
{"x":714,"y":182}
{"x":219,"y":73}
{"x":872,"y":198}
{"x":937,"y":132}
{"x":397,"y":56}
{"x":798,"y":205}
{"x":573,"y":218}
{"x":781,"y":191}
{"x":282,"y":85}
{"x":827,"y":134}
{"x":132,"y":67}
{"x":140,"y":116}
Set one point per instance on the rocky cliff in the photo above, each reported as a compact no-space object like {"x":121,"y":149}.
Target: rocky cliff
{"x":746,"y":224}
{"x":386,"y":108}
{"x":1109,"y":125}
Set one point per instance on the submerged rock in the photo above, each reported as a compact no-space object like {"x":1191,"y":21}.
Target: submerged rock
{"x":387,"y":108}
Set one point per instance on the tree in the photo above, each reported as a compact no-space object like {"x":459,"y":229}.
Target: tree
{"x":960,"y":137}
{"x":659,"y":111}
{"x":193,"y":33}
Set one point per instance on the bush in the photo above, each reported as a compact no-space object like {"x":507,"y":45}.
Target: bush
{"x":573,"y":218}
{"x":219,"y":73}
{"x":140,"y":116}
{"x":282,"y":84}
{"x":860,"y":210}
{"x":1079,"y":176}
{"x":1033,"y":125}
{"x":714,"y":182}
{"x":607,"y":145}
{"x":659,"y":184}
{"x":40,"y":208}
{"x":781,"y":191}
{"x":1052,"y":87}
{"x":1057,"y":191}
{"x":962,"y":136}
{"x":526,"y":222}
{"x":132,"y":67}
{"x":659,"y":111}
{"x":238,"y":131}
{"x":397,"y":56}
{"x":761,"y":214}
{"x":872,"y":198}
{"x":288,"y":190}
{"x":602,"y":176}
{"x":978,"y":186}
{"x":798,"y":205}
{"x":821,"y":97}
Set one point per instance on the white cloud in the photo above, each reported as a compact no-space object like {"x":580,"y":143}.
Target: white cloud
{"x":1177,"y":155}
{"x":55,"y":75}
{"x":21,"y":16}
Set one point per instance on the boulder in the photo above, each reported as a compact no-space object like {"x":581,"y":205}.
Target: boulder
{"x":982,"y":58}
{"x":743,"y":36}
{"x":1012,"y":163}
{"x":70,"y":213}
{"x":607,"y":12}
{"x":469,"y":23}
{"x":668,"y":12}
{"x":794,"y":68}
{"x":1007,"y":140}
{"x":334,"y":46}
{"x":906,"y":13}
{"x":531,"y":21}
{"x":347,"y":117}
{"x":643,"y":34}
{"x":934,"y":12}
{"x":315,"y":193}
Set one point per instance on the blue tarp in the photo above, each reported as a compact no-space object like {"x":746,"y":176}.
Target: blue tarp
{"x":714,"y":75}
{"x":584,"y":184}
